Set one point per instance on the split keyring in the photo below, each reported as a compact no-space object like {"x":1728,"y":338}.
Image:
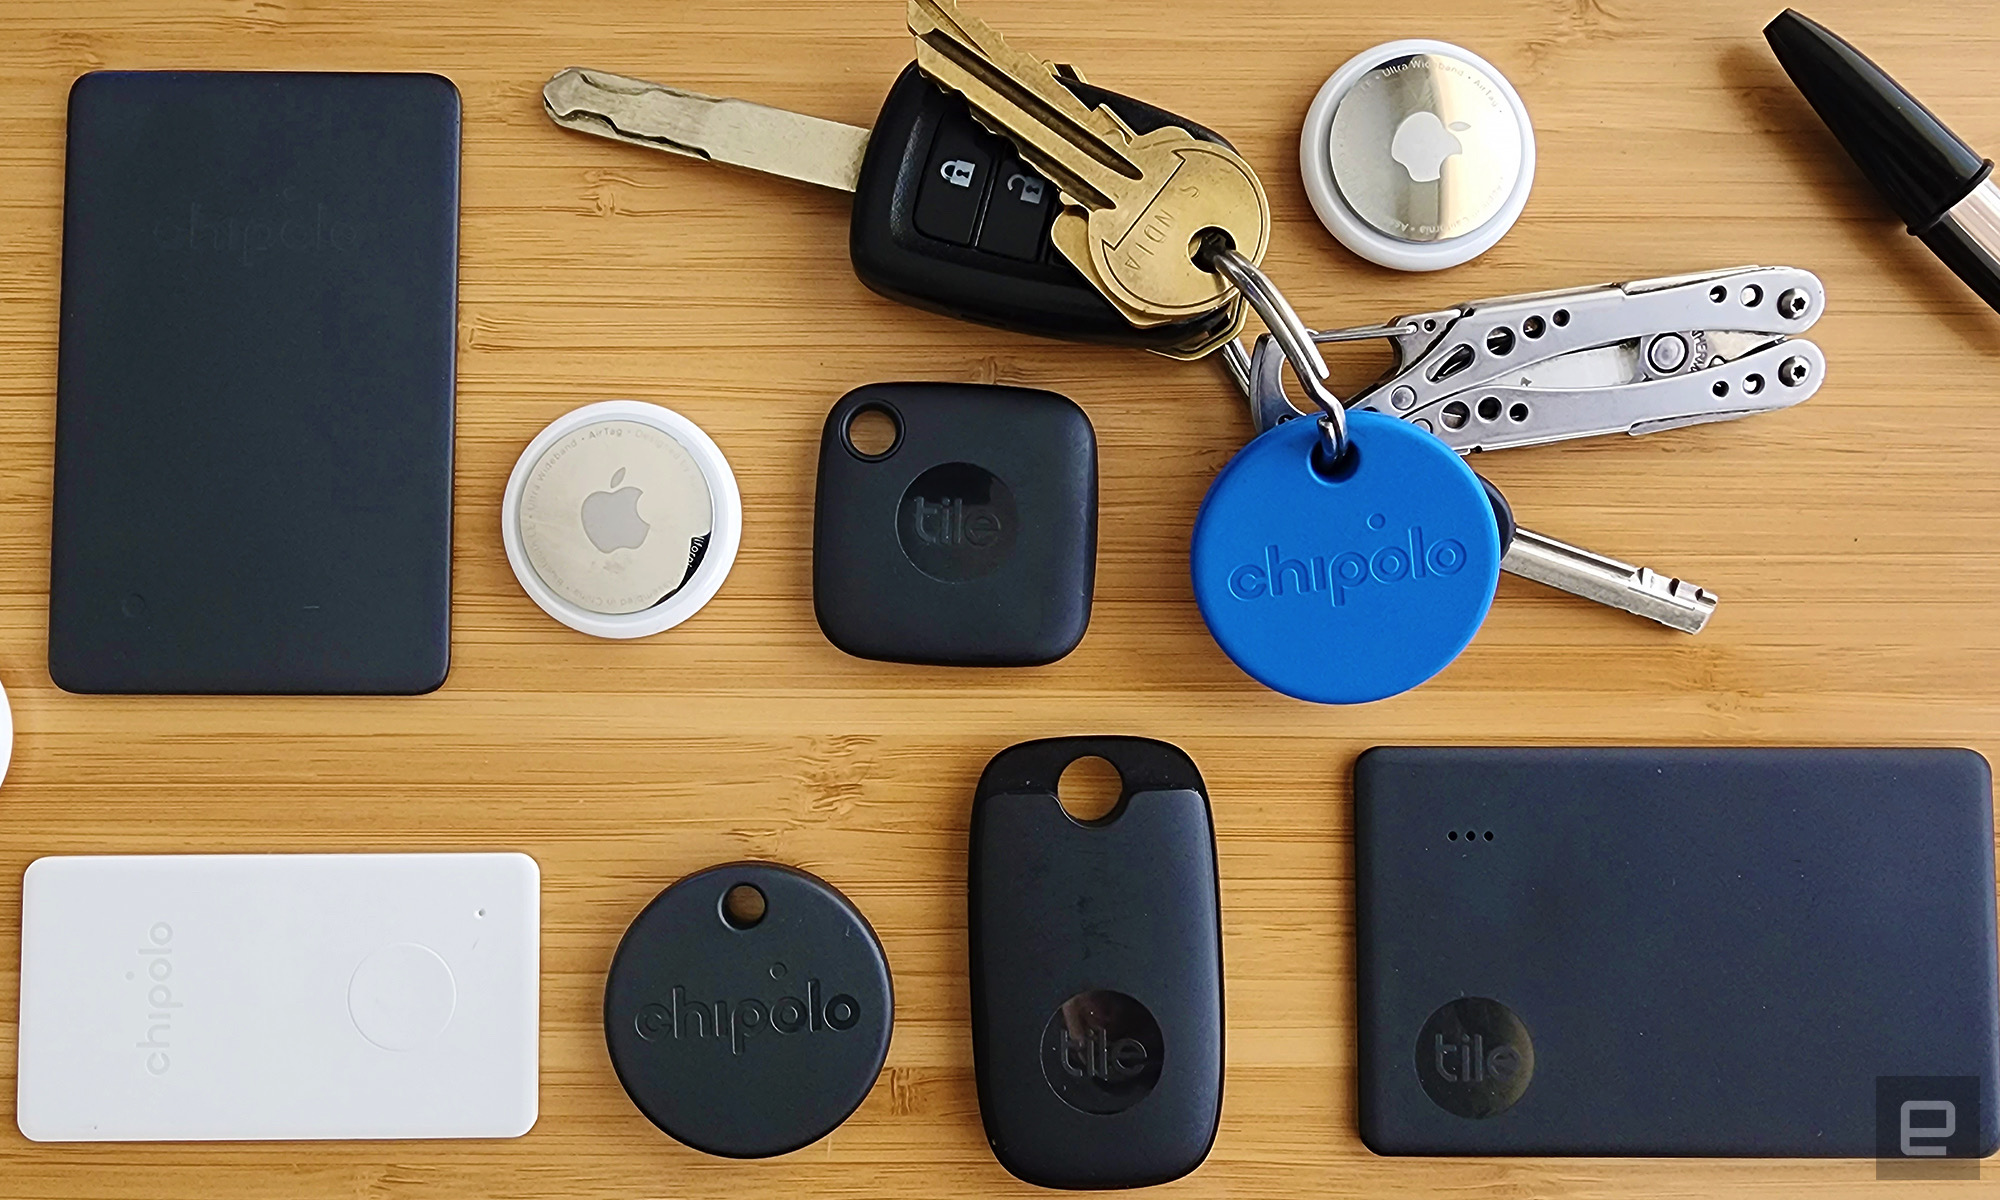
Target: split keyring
{"x":1291,"y":334}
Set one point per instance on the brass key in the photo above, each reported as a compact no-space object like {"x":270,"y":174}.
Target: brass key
{"x":1147,"y":198}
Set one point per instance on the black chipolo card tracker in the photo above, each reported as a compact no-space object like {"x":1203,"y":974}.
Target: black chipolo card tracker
{"x":1782,"y":952}
{"x":254,"y":389}
{"x":1096,"y":953}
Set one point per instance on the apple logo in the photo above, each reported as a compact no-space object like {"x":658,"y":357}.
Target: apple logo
{"x":611,"y":519}
{"x":1422,"y":143}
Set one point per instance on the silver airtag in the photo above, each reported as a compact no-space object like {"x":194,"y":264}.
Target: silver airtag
{"x":621,"y":519}
{"x":1417,"y":154}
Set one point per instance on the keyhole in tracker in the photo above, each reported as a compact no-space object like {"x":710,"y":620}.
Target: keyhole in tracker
{"x":1089,"y":788}
{"x":872,"y":432}
{"x":743,"y":906}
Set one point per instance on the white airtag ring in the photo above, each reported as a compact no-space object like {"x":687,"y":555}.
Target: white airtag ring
{"x":1452,"y":209}
{"x":6,"y":733}
{"x":560,"y":539}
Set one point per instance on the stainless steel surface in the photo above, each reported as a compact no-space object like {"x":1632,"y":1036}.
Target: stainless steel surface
{"x":612,"y":515}
{"x":1425,"y":148}
{"x":1236,"y":362}
{"x":1978,"y":215}
{"x":735,"y":132}
{"x":1668,"y":352}
{"x":1508,"y":418}
{"x":1263,"y":379}
{"x":1641,"y":591}
{"x":1289,"y":333}
{"x":1622,"y":358}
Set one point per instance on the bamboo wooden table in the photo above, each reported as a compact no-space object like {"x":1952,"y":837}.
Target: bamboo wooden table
{"x":1852,"y":540}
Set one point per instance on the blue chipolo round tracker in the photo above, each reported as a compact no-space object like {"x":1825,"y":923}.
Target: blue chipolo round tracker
{"x":1352,"y":584}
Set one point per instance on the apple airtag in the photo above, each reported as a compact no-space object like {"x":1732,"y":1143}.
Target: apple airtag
{"x":6,"y":733}
{"x":1417,"y":155}
{"x":621,"y":519}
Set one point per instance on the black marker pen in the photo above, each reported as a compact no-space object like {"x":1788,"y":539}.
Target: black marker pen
{"x":1940,"y":186}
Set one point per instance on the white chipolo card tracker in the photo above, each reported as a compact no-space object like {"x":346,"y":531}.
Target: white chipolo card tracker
{"x":285,"y":996}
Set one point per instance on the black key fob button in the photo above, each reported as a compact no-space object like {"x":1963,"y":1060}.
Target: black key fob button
{"x":955,"y":181}
{"x":1096,"y":964}
{"x":1019,"y":212}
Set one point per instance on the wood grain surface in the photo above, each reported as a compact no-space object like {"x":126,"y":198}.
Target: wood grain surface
{"x":1853,"y":541}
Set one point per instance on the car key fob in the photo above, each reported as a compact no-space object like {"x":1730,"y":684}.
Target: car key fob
{"x":949,"y":219}
{"x":1096,"y":964}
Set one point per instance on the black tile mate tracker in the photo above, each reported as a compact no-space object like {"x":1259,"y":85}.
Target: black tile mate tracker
{"x":748,"y":1010}
{"x":1096,"y":950}
{"x":970,"y":539}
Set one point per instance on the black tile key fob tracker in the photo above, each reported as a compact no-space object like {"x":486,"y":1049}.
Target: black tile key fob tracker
{"x":748,"y":1010}
{"x":1096,"y":968}
{"x":970,"y":540}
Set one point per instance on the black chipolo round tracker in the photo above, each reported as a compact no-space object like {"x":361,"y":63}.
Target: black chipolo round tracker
{"x":748,"y":1010}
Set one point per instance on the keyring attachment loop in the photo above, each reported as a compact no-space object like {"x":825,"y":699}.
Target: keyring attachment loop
{"x":1291,"y":334}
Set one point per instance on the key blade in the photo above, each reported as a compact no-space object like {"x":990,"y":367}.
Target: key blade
{"x":1640,"y":591}
{"x":1072,"y":144}
{"x":737,"y":133}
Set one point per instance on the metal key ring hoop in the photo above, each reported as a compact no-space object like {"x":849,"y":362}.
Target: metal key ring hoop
{"x":1292,"y":337}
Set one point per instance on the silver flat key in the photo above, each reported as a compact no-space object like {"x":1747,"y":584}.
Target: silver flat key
{"x":737,"y":133}
{"x":1641,"y":591}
